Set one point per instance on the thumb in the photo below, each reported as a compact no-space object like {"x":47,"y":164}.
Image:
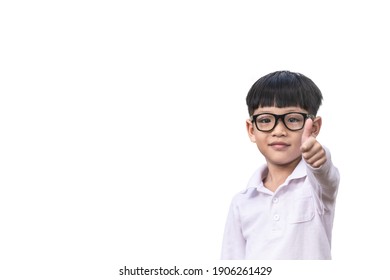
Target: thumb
{"x":307,"y":130}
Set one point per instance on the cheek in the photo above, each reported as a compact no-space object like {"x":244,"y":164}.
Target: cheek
{"x":298,"y":139}
{"x":261,"y":142}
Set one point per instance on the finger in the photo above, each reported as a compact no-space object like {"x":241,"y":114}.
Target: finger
{"x":311,"y":147}
{"x":318,"y":163}
{"x":308,"y":144}
{"x":307,"y":130}
{"x":312,"y":158}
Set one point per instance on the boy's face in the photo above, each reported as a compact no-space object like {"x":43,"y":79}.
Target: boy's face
{"x":280,"y":146}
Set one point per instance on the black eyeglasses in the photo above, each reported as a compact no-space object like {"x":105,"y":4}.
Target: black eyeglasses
{"x":293,"y":121}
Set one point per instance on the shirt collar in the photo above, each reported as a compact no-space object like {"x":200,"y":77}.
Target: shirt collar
{"x":299,"y":171}
{"x":256,"y":181}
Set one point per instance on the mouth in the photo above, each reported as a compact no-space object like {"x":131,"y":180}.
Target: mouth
{"x":279,"y":145}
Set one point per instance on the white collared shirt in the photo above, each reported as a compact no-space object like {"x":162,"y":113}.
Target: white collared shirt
{"x":294,"y":222}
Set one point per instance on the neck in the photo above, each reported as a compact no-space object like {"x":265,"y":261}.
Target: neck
{"x":277,"y":174}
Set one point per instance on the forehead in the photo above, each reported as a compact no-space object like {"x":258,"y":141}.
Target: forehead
{"x":278,"y":111}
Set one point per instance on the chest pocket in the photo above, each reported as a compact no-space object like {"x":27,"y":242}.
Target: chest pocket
{"x":301,"y":209}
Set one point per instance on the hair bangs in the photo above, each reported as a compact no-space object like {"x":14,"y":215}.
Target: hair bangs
{"x":281,"y":98}
{"x":284,"y":89}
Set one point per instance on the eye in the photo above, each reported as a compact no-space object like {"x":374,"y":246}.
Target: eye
{"x":264,"y":119}
{"x":294,"y":120}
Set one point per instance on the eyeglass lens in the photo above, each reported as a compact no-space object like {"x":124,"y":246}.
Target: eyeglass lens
{"x":292,"y":121}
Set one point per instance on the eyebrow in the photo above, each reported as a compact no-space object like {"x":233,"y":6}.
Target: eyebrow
{"x":297,"y":110}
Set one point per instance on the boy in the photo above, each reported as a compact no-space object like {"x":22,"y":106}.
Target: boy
{"x":287,"y":210}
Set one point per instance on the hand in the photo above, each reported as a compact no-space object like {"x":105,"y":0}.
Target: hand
{"x":312,"y":151}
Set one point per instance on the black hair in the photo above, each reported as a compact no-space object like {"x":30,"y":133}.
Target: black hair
{"x":284,"y":89}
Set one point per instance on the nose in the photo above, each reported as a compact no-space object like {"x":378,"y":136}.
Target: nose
{"x":280,"y":129}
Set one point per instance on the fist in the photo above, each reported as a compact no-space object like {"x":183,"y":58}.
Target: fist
{"x":312,"y":151}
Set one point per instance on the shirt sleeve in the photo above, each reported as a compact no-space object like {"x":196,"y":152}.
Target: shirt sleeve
{"x":233,"y":246}
{"x":327,"y":177}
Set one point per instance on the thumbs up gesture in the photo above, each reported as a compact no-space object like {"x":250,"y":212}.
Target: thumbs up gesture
{"x":312,"y":151}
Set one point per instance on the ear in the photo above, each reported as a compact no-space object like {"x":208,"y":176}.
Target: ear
{"x":250,"y":129}
{"x":317,"y":123}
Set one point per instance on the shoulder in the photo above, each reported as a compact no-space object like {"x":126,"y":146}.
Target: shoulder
{"x":254,"y":182}
{"x":244,"y":198}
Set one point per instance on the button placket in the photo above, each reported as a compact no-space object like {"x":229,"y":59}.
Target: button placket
{"x":275,"y":215}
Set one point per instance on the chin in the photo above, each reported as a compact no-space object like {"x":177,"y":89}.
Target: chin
{"x":284,"y":161}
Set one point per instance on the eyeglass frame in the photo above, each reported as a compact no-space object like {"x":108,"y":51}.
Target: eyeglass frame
{"x":277,"y":117}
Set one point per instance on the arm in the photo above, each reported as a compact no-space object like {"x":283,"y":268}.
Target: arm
{"x":233,"y":246}
{"x":327,"y":176}
{"x":319,"y":163}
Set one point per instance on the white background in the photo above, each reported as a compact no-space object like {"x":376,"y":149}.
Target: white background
{"x":122,"y":128}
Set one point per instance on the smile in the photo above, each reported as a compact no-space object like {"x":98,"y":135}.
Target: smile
{"x":279,"y":145}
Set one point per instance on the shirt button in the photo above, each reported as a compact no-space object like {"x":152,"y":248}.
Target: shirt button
{"x":276,"y":217}
{"x":275,"y":200}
